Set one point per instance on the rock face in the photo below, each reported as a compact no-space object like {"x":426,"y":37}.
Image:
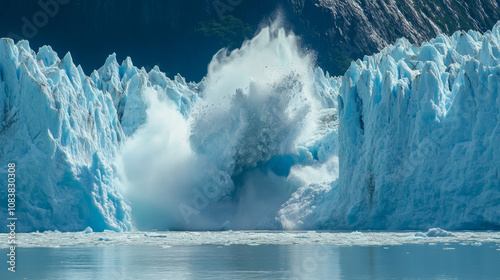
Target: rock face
{"x":348,"y":29}
{"x":338,"y":30}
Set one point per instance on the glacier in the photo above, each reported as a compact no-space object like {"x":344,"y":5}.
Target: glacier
{"x":419,"y":141}
{"x":420,"y":136}
{"x":63,"y":130}
{"x":408,"y":138}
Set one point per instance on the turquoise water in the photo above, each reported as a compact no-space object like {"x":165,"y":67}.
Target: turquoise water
{"x":258,"y":262}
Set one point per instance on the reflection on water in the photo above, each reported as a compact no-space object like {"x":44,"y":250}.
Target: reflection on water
{"x":258,"y":262}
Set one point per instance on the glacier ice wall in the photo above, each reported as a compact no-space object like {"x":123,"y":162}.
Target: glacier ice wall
{"x":63,"y":130}
{"x":419,"y":141}
{"x":407,"y":139}
{"x":61,"y":133}
{"x":420,"y":136}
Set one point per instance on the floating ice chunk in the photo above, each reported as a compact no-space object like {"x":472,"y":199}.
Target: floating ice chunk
{"x":437,"y":232}
{"x":178,"y":238}
{"x":88,"y":230}
{"x":155,"y":235}
{"x":420,"y":235}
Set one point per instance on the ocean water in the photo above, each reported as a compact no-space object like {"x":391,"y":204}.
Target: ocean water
{"x":433,"y":259}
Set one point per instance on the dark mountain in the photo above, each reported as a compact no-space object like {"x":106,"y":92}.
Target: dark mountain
{"x":182,"y":36}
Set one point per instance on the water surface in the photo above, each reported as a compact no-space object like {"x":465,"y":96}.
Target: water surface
{"x":409,"y":261}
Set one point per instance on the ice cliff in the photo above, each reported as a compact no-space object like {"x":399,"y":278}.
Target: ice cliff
{"x":419,"y":140}
{"x":408,"y":138}
{"x":63,"y":131}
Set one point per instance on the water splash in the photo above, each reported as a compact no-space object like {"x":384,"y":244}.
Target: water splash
{"x":228,"y":164}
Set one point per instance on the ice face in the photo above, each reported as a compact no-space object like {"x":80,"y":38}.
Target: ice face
{"x":407,"y":139}
{"x":63,"y":131}
{"x":420,"y":136}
